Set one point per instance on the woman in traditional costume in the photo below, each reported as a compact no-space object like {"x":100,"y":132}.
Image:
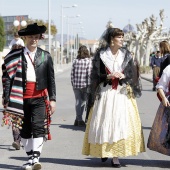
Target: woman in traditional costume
{"x":114,"y":126}
{"x":159,"y":138}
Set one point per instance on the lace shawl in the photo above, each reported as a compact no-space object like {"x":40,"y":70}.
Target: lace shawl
{"x":99,"y":75}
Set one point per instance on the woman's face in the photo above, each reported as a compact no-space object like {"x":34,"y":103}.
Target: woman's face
{"x":118,"y":41}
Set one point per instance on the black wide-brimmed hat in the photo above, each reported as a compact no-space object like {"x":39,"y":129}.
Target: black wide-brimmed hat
{"x":32,"y":29}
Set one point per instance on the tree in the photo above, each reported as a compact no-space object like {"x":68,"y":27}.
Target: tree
{"x":53,"y":27}
{"x":2,"y":34}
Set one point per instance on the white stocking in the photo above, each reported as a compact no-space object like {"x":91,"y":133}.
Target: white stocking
{"x":37,"y":148}
{"x":28,"y":144}
{"x":38,"y":144}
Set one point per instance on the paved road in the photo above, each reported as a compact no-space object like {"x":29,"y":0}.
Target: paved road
{"x":63,"y":152}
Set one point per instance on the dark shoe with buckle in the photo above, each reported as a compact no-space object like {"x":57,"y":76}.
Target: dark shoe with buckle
{"x":115,"y":165}
{"x":16,"y":145}
{"x":104,"y":159}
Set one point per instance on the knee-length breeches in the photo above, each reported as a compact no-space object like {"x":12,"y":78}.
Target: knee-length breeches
{"x":34,"y":117}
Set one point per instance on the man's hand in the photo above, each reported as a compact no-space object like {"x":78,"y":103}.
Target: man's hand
{"x":3,"y":103}
{"x":52,"y":106}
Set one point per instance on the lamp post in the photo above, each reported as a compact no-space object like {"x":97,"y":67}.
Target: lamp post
{"x":77,"y":41}
{"x":73,"y":38}
{"x":49,"y":28}
{"x":19,"y":22}
{"x":62,"y":7}
{"x":68,"y":38}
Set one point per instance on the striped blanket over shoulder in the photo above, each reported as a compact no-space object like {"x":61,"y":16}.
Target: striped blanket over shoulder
{"x":13,"y":66}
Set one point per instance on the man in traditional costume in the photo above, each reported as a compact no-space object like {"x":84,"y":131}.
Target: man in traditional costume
{"x":30,"y":92}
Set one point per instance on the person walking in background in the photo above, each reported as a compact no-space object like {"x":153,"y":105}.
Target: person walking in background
{"x":80,"y":80}
{"x":16,"y":43}
{"x":15,"y":130}
{"x":155,"y":64}
{"x":29,"y":83}
{"x":159,"y":137}
{"x":164,"y":48}
{"x":114,"y":127}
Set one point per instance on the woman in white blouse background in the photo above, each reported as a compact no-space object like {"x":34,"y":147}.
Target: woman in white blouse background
{"x":159,"y":138}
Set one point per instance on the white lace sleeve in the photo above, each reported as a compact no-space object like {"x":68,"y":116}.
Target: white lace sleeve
{"x":163,"y":82}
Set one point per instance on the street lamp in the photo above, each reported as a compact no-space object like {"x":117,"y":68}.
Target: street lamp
{"x":62,"y":7}
{"x":68,"y":38}
{"x":77,"y":40}
{"x":18,"y":22}
{"x":73,"y":38}
{"x":49,"y":27}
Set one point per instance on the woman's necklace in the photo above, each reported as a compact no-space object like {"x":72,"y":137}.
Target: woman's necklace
{"x":115,"y":56}
{"x":115,"y":62}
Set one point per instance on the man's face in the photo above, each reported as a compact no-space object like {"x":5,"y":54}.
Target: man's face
{"x":32,"y":40}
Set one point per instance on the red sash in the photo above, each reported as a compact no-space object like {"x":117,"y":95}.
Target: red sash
{"x":31,"y":91}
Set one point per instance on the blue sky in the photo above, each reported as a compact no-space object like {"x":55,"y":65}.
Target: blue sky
{"x":94,"y":14}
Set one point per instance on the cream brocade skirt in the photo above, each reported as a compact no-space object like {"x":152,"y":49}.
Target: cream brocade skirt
{"x":131,"y":146}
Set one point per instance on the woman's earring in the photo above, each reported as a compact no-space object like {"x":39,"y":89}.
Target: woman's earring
{"x":112,"y":44}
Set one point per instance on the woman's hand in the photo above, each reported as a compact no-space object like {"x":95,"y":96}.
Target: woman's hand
{"x":165,"y":102}
{"x":116,"y":75}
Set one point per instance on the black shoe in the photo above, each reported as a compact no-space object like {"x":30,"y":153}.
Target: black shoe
{"x":104,"y":159}
{"x":76,"y":123}
{"x":154,"y":89}
{"x":115,"y":165}
{"x":81,"y":123}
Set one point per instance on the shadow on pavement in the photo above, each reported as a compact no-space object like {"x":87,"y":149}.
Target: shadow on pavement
{"x":7,"y":147}
{"x":96,"y":162}
{"x":64,"y":126}
{"x":146,"y":163}
{"x":4,"y":166}
{"x":89,"y":162}
{"x":149,"y":128}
